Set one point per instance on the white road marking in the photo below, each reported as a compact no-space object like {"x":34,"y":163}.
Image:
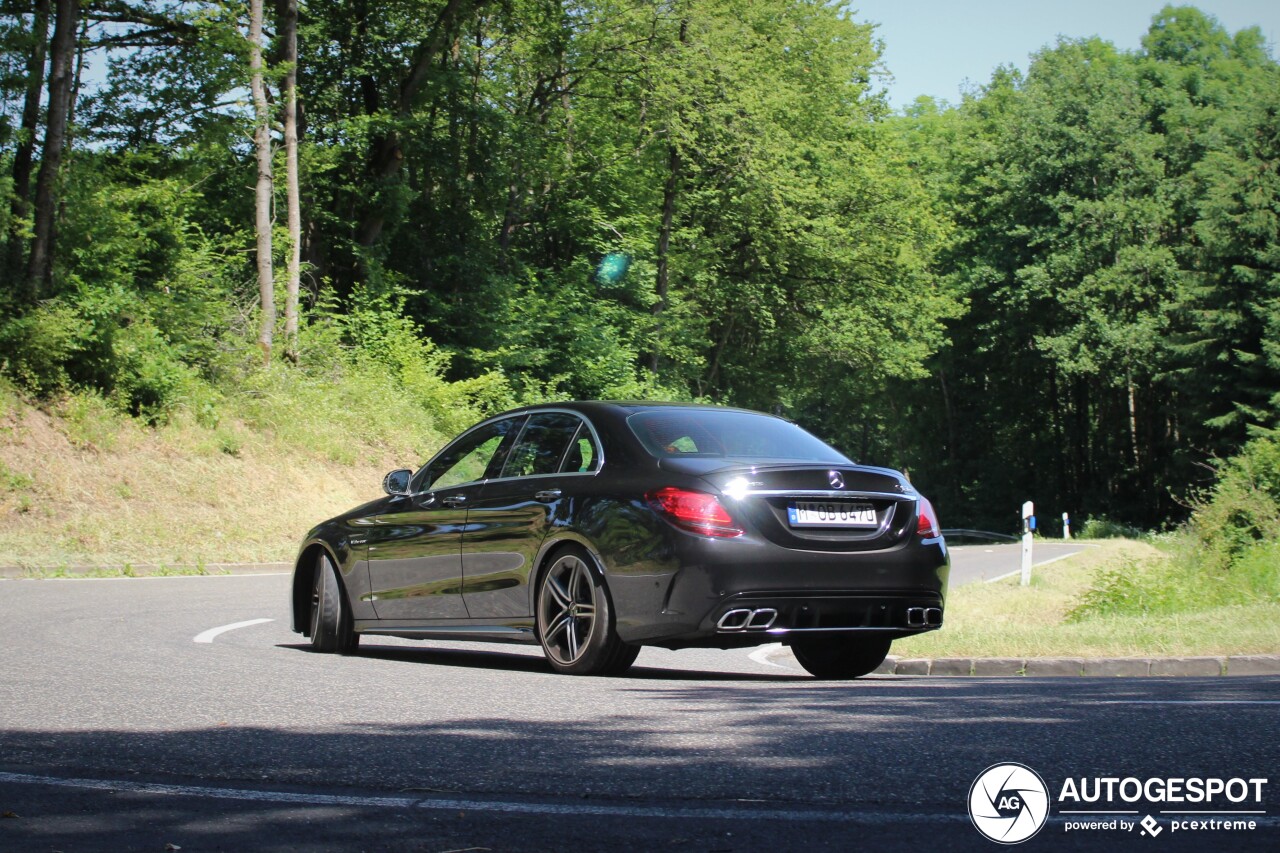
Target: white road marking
{"x":207,"y":636}
{"x":889,"y":818}
{"x":506,"y":807}
{"x":760,"y":656}
{"x":1188,"y":701}
{"x":1033,"y":565}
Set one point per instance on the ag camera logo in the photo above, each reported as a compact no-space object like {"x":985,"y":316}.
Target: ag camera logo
{"x":1008,"y":803}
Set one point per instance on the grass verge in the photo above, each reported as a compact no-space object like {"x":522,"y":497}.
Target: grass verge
{"x":128,"y":570}
{"x":1047,"y":619}
{"x":82,"y":485}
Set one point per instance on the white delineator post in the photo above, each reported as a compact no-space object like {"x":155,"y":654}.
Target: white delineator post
{"x":1066,"y":526}
{"x":1028,"y":524}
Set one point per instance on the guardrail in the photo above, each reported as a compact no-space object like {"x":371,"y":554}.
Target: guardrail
{"x":961,"y":533}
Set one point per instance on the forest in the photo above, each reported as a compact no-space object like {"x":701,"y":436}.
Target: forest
{"x":1064,"y":287}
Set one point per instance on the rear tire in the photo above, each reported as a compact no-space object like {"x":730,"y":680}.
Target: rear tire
{"x":331,"y":627}
{"x":575,"y":619}
{"x":622,"y":660}
{"x":841,"y":656}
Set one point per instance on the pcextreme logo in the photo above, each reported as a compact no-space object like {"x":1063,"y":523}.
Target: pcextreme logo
{"x":1009,"y":803}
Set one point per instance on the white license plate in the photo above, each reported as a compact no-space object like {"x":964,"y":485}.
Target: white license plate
{"x":831,"y":514}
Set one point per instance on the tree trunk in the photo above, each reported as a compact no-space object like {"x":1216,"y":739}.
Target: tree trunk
{"x":663,"y":277}
{"x":662,"y":280}
{"x":1133,"y":422}
{"x":24,"y":155}
{"x":62,"y":56}
{"x":385,"y":154}
{"x":289,"y":33}
{"x":262,"y":220}
{"x":949,"y":414}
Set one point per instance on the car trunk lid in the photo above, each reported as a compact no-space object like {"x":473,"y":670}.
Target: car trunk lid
{"x":813,"y":507}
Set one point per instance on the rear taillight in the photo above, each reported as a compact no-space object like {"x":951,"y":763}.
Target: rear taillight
{"x":927,"y":523}
{"x":698,"y":512}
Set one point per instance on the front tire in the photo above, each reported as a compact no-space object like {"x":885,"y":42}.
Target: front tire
{"x":575,"y":619}
{"x":841,"y":656}
{"x":331,"y":626}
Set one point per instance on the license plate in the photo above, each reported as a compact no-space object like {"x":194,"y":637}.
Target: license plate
{"x":831,"y":514}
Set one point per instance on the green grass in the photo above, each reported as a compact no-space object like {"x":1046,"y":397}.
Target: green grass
{"x":83,"y":485}
{"x":1050,"y":617}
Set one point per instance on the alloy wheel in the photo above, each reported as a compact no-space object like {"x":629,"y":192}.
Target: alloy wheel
{"x":567,"y":609}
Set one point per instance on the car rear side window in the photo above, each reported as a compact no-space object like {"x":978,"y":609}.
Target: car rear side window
{"x":583,"y":456}
{"x":542,"y":445}
{"x":720,"y":433}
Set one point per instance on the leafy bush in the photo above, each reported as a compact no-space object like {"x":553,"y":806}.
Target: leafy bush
{"x":1105,"y":528}
{"x":99,"y":340}
{"x":148,"y":380}
{"x":1179,"y":584}
{"x":1243,"y":509}
{"x":40,"y":345}
{"x":1133,"y":586}
{"x":1228,"y":554}
{"x":386,"y":341}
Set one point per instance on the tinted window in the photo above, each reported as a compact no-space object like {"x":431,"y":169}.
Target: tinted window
{"x":473,"y":456}
{"x":542,"y":445}
{"x":718,"y":433}
{"x":583,"y":456}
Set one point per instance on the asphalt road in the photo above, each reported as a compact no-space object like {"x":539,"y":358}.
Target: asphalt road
{"x":971,"y":563}
{"x":118,"y":731}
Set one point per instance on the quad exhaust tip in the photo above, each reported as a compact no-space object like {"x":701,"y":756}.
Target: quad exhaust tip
{"x":924,"y":617}
{"x":743,"y":619}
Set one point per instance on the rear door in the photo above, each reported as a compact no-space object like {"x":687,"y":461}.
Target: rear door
{"x":511,"y":516}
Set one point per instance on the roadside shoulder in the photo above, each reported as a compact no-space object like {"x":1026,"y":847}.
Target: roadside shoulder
{"x":1126,"y":667}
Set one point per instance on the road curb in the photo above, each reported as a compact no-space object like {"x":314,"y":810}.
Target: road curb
{"x":1152,"y":667}
{"x":1071,"y":667}
{"x":143,"y":570}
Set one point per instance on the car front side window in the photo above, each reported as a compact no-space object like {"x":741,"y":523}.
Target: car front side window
{"x":472,"y":457}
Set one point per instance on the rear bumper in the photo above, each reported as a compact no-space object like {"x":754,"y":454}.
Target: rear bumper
{"x":899,"y":590}
{"x":906,"y":613}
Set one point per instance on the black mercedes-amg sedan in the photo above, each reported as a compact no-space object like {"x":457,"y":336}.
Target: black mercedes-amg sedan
{"x":595,"y":528}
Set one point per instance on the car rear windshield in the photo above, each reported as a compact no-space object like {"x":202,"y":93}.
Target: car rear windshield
{"x":718,"y":433}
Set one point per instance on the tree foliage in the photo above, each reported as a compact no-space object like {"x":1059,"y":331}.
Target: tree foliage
{"x":1063,"y":288}
{"x":1116,"y":237}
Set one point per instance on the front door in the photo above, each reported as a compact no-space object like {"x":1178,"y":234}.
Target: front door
{"x":415,"y":548}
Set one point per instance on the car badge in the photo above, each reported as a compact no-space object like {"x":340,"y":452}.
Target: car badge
{"x":835,"y":479}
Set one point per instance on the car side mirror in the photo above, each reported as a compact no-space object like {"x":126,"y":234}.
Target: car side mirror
{"x":396,"y":483}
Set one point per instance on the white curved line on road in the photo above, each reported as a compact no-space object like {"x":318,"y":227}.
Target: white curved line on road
{"x":482,"y":806}
{"x":760,"y":656}
{"x":892,"y":818}
{"x":1034,"y":566}
{"x":207,"y":636}
{"x":1187,"y":702}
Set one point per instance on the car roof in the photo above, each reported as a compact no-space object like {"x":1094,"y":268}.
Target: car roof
{"x":630,"y":407}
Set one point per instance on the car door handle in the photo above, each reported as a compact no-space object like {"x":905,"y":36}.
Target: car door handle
{"x":547,"y":495}
{"x":454,"y":500}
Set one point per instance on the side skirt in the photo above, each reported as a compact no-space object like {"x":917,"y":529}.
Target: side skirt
{"x":517,"y":631}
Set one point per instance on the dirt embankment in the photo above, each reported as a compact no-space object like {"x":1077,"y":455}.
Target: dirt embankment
{"x":80,"y":485}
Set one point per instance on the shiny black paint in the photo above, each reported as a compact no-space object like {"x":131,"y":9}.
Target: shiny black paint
{"x":415,"y":566}
{"x":414,"y":560}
